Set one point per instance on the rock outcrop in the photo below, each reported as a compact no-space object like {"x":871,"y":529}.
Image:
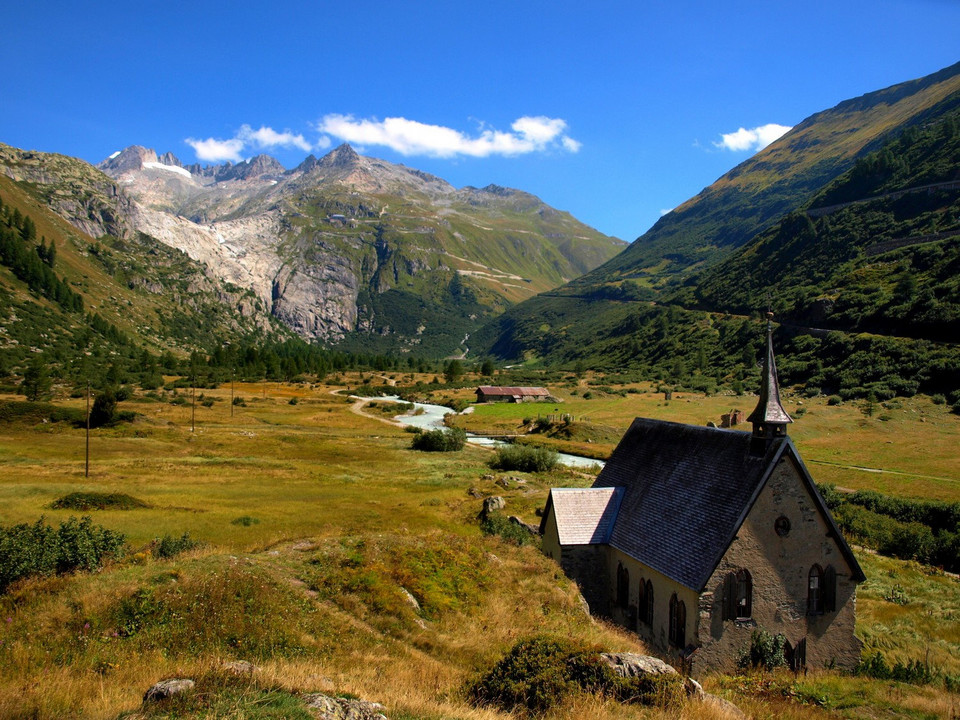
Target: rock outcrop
{"x":334,"y":708}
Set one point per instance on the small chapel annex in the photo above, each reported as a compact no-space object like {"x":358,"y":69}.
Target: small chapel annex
{"x":695,"y":536}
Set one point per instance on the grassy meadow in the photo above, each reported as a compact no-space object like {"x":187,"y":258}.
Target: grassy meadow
{"x":338,"y":560}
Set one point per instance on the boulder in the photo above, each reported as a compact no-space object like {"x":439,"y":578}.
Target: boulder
{"x":725,"y":707}
{"x":240,"y":667}
{"x":532,"y":529}
{"x":168,"y":688}
{"x":635,"y":665}
{"x":334,"y":708}
{"x":492,"y":504}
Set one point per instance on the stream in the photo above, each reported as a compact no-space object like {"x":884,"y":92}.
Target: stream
{"x":432,"y":418}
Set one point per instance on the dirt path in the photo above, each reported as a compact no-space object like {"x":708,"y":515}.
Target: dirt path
{"x":360,"y":403}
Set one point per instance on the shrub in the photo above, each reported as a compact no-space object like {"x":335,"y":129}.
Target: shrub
{"x":540,"y":672}
{"x":834,"y":400}
{"x":38,"y":549}
{"x":169,"y":546}
{"x":104,"y":409}
{"x":439,"y":440}
{"x":245,"y":521}
{"x":98,"y":501}
{"x":496,"y":524}
{"x":766,"y":651}
{"x":523,"y":458}
{"x":537,"y":674}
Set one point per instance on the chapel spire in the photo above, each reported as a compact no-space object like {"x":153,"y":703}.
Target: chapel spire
{"x":769,"y":418}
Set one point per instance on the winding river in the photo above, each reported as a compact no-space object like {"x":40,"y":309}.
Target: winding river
{"x":432,"y":418}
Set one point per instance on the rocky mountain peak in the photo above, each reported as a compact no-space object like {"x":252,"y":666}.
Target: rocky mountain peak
{"x":342,"y":156}
{"x":168,"y":158}
{"x":255,"y":167}
{"x":127,"y":160}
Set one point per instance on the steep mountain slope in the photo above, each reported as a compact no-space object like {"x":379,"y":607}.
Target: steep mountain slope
{"x":357,"y":250}
{"x":873,"y":250}
{"x":878,"y":250}
{"x":777,"y":180}
{"x":72,"y":300}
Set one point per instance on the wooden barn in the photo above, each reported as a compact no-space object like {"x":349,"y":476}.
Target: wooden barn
{"x":491,"y":393}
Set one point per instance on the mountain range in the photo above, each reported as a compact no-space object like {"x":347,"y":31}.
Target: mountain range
{"x":356,"y":250}
{"x":847,"y":227}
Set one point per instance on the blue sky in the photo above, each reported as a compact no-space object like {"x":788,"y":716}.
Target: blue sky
{"x":614,"y":111}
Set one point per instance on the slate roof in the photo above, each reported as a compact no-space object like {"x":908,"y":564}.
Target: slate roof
{"x":687,"y":490}
{"x":584,"y":515}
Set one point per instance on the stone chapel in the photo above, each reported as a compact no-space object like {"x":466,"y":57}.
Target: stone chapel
{"x":695,"y":536}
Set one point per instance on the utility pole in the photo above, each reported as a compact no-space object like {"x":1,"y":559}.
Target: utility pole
{"x":86,"y":468}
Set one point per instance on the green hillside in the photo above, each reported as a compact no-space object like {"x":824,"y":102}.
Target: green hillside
{"x":778,"y":180}
{"x":74,"y":308}
{"x":878,"y":250}
{"x":862,"y":272}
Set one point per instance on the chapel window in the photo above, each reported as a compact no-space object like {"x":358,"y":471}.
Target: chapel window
{"x":829,"y":589}
{"x":642,"y":601}
{"x":678,"y":622}
{"x":623,"y":586}
{"x":744,"y":600}
{"x":649,"y":608}
{"x":737,"y":596}
{"x":815,"y":591}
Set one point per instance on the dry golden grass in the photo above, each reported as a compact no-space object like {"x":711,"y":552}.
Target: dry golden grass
{"x":317,"y":482}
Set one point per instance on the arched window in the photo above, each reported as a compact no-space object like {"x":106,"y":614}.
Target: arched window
{"x":815,"y":591}
{"x":678,"y":622}
{"x":623,"y":586}
{"x":648,"y":610}
{"x":744,"y":594}
{"x":829,"y":589}
{"x":738,"y":595}
{"x":642,"y":601}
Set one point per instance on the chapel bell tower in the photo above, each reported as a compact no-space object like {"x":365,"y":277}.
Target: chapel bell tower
{"x":769,"y":418}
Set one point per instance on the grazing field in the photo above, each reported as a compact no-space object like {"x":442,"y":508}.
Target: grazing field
{"x":339,"y":560}
{"x":907,"y":447}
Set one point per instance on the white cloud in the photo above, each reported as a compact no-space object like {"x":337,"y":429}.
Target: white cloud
{"x":410,"y":137}
{"x":268,"y":137}
{"x":211,"y":150}
{"x":754,"y":139}
{"x":246,"y":138}
{"x":665,"y":211}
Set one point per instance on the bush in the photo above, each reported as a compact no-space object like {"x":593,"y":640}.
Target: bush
{"x":496,"y":524}
{"x":38,"y":549}
{"x":540,"y":672}
{"x":245,"y":521}
{"x":169,"y":546}
{"x":98,"y":501}
{"x":913,"y":672}
{"x":439,"y":440}
{"x":766,"y":651}
{"x":537,"y":674}
{"x":104,"y":409}
{"x":523,"y":458}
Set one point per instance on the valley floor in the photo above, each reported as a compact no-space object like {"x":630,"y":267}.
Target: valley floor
{"x":338,"y":560}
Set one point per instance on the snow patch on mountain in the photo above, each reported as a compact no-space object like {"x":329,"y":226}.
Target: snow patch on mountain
{"x":171,"y":168}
